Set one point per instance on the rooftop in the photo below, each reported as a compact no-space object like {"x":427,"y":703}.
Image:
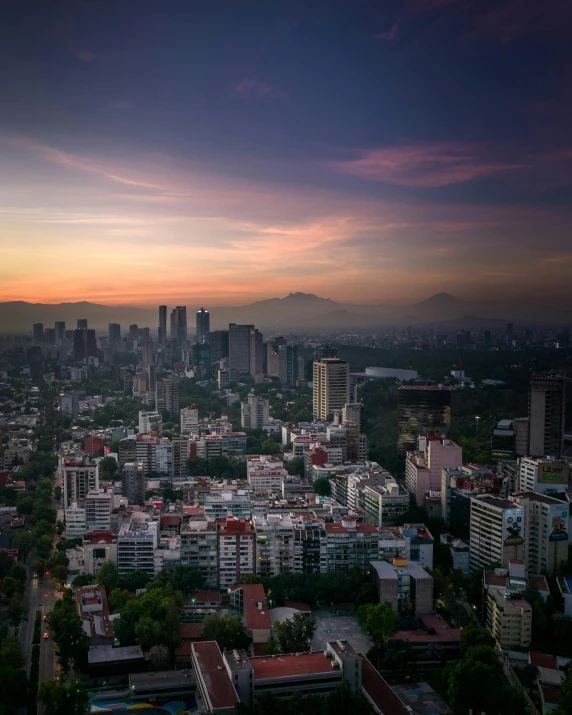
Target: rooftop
{"x":254,"y":606}
{"x":386,"y":701}
{"x":442,"y":632}
{"x":219,"y":687}
{"x":290,"y":665}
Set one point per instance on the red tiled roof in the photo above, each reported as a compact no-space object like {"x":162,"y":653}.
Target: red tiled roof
{"x":191,"y":631}
{"x":493,"y":579}
{"x":290,"y":665}
{"x":443,"y":632}
{"x":170,"y":520}
{"x":379,"y":691}
{"x":540,"y":583}
{"x":215,"y":676}
{"x":192,"y":510}
{"x":543,"y":660}
{"x":254,"y":618}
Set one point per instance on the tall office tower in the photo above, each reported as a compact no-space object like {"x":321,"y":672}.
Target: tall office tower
{"x":60,"y":328}
{"x":202,"y":357}
{"x":255,"y":413}
{"x":37,"y":332}
{"x":288,"y":364}
{"x":84,"y":344}
{"x":133,"y":331}
{"x":421,"y":410}
{"x":203,"y":325}
{"x":218,"y":341}
{"x":114,"y":334}
{"x":133,"y":482}
{"x":49,"y":336}
{"x":331,"y":390}
{"x":162,"y":331}
{"x":272,"y":358}
{"x":325,"y":351}
{"x":167,"y":397}
{"x":240,"y":348}
{"x":257,"y":354}
{"x":546,"y":400}
{"x":82,"y":323}
{"x":179,"y":325}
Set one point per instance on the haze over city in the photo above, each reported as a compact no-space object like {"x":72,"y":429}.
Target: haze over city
{"x":221,"y":153}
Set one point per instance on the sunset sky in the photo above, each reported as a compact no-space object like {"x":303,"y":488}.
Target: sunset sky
{"x":190,"y":151}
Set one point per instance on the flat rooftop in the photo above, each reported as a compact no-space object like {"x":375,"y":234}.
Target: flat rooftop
{"x":108,"y":654}
{"x":215,"y":676}
{"x":290,"y":665}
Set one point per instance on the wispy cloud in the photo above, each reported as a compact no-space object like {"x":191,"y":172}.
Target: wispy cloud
{"x":255,"y":89}
{"x":425,"y":165}
{"x":121,"y":104}
{"x":85,"y":56}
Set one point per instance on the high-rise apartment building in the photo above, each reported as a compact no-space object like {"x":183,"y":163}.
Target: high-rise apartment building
{"x":136,"y":544}
{"x":274,"y":544}
{"x":423,"y":469}
{"x":241,"y":348}
{"x":288,"y":364}
{"x":421,"y":410}
{"x":254,"y":413}
{"x":544,"y":475}
{"x":199,"y":549}
{"x":546,"y":532}
{"x":114,"y":334}
{"x":162,"y":329}
{"x":190,"y":420}
{"x":133,"y":482}
{"x":236,"y":551}
{"x":546,"y":400}
{"x":98,"y":507}
{"x":203,"y":325}
{"x":180,"y":455}
{"x":331,"y":386}
{"x":218,"y":341}
{"x":352,"y":414}
{"x":167,"y":397}
{"x":60,"y":328}
{"x":497,"y":531}
{"x":79,"y":476}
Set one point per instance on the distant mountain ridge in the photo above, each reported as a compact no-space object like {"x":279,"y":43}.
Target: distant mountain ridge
{"x":296,"y":311}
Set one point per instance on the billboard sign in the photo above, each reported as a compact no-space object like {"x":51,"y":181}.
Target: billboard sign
{"x":553,"y":473}
{"x":513,"y":527}
{"x":558,"y":524}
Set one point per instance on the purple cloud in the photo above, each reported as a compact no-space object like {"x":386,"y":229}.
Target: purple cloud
{"x":255,"y":89}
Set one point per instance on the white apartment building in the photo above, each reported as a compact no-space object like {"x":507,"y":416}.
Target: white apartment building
{"x":136,"y":545}
{"x":254,"y":413}
{"x":98,"y":507}
{"x":383,"y":504}
{"x":412,"y":542}
{"x":331,"y":386}
{"x":236,"y":551}
{"x":544,"y":475}
{"x":75,"y":521}
{"x":149,"y":422}
{"x":265,"y":473}
{"x":274,"y":544}
{"x":497,"y":531}
{"x":164,"y":457}
{"x":79,"y":475}
{"x":219,"y":505}
{"x":190,"y":420}
{"x":546,"y":532}
{"x":145,"y":451}
{"x":199,"y":549}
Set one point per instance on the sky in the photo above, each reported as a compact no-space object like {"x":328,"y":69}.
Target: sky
{"x":219,"y":152}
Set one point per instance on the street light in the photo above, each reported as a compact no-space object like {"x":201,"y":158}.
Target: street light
{"x":477,"y":429}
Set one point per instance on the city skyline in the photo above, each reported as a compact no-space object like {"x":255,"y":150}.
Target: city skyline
{"x":204,"y":153}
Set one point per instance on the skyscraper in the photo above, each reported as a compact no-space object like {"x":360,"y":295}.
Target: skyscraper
{"x":162,"y":331}
{"x":288,"y":364}
{"x":167,"y":397}
{"x":133,"y":331}
{"x":325,"y":351}
{"x":84,"y":344}
{"x":114,"y":334}
{"x":219,"y":344}
{"x":60,"y":328}
{"x":240,"y":347}
{"x":331,"y":389}
{"x":203,"y":325}
{"x":421,"y":410}
{"x":82,"y":323}
{"x":272,"y":357}
{"x":546,"y":399}
{"x":179,"y":326}
{"x":37,"y":332}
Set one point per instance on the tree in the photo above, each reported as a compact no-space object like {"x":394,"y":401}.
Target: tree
{"x":323,"y":486}
{"x":134,"y":580}
{"x":118,"y":598}
{"x":66,"y":629}
{"x":295,"y":634}
{"x":57,"y":493}
{"x":152,"y":618}
{"x":378,"y":620}
{"x":472,"y":636}
{"x":107,"y":576}
{"x":108,"y":469}
{"x":83,"y":579}
{"x":160,"y":657}
{"x":185,"y":579}
{"x":60,"y":698}
{"x":565,"y":704}
{"x":13,"y":681}
{"x":226,"y":630}
{"x":295,"y":467}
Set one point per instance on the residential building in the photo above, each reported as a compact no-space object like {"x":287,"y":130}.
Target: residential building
{"x":310,"y":544}
{"x":236,"y":550}
{"x":274,"y":544}
{"x":423,"y":468}
{"x":93,"y":609}
{"x":199,"y":549}
{"x":219,"y":505}
{"x":164,"y":457}
{"x":546,"y":475}
{"x":75,"y":521}
{"x":331,"y":386}
{"x":167,"y":397}
{"x":233,"y":443}
{"x":133,"y":482}
{"x":546,"y":532}
{"x":288,"y":364}
{"x":407,"y":586}
{"x":146,"y":451}
{"x":546,"y":405}
{"x":497,"y":530}
{"x":254,"y":413}
{"x":93,"y":445}
{"x":209,"y":446}
{"x":136,"y":544}
{"x":384,"y":504}
{"x":412,"y":542}
{"x":352,"y":415}
{"x":420,"y":410}
{"x":351,"y":544}
{"x":127,"y":451}
{"x":98,"y":507}
{"x":203,"y":325}
{"x":150,"y":422}
{"x":508,"y":619}
{"x":181,"y":454}
{"x":79,"y":475}
{"x":190,"y":420}
{"x":265,"y":473}
{"x":460,"y":553}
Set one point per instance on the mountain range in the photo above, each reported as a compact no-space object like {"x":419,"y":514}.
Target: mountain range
{"x":297,"y":311}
